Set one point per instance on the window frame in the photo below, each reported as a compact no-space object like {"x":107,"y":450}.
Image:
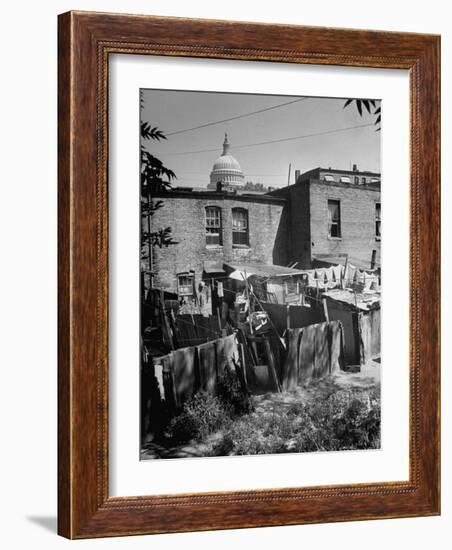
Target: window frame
{"x":338,"y":223}
{"x":245,"y":232}
{"x":209,"y":229}
{"x":188,"y":276}
{"x":378,"y":221}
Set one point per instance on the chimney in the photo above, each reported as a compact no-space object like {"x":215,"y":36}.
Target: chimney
{"x":355,"y":168}
{"x":297,"y":175}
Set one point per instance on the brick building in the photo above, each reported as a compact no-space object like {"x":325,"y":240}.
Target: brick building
{"x":331,"y":214}
{"x":213,"y":228}
{"x":323,"y":217}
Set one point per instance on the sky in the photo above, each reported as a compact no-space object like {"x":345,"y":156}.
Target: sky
{"x":191,"y":154}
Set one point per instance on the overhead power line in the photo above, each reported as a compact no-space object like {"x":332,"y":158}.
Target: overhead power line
{"x":292,"y":138}
{"x":235,"y":117}
{"x":248,"y":174}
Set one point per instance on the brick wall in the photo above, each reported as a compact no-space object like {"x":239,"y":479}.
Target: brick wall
{"x":186,"y":217}
{"x":357,"y":206}
{"x":305,"y":221}
{"x":294,"y":234}
{"x":300,"y":238}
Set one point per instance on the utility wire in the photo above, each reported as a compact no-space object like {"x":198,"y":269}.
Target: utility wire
{"x":304,"y":136}
{"x":235,"y":117}
{"x":199,"y":180}
{"x":248,"y":174}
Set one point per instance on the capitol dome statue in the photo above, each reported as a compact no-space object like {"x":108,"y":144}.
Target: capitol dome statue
{"x":226,"y":170}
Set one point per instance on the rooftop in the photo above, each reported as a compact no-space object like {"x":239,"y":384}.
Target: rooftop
{"x":262,"y":270}
{"x":363,"y":301}
{"x":224,"y":194}
{"x":353,"y":172}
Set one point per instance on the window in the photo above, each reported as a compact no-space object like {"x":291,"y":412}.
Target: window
{"x":213,"y":226}
{"x":328,"y":177}
{"x":240,"y":227}
{"x":185,"y":284}
{"x":334,"y":219}
{"x":356,"y":179}
{"x":345,"y":179}
{"x":363,"y":179}
{"x":378,"y":221}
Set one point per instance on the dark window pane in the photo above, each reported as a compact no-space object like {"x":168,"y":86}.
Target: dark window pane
{"x":212,"y":238}
{"x":334,"y":218}
{"x":240,"y":226}
{"x":239,"y":237}
{"x":378,"y":219}
{"x":185,"y":285}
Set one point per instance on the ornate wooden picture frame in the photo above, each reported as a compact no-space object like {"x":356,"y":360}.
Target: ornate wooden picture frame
{"x":86,"y":40}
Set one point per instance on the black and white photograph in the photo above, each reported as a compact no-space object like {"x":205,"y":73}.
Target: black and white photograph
{"x":260,"y":274}
{"x":199,"y":347}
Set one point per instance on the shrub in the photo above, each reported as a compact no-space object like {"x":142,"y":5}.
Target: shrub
{"x":202,"y":415}
{"x":359,"y":425}
{"x":343,"y":421}
{"x":245,"y":438}
{"x":231,"y":393}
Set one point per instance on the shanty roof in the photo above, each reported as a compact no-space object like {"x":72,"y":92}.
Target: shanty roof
{"x":242,"y":271}
{"x":364,"y":301}
{"x":331,"y":259}
{"x":212,"y":266}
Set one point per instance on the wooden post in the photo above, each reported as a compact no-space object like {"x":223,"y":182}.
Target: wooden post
{"x":249,"y":303}
{"x":219,"y":319}
{"x":345,"y":271}
{"x":373,"y":259}
{"x":166,"y":322}
{"x":242,"y":362}
{"x":173,"y":324}
{"x":150,"y":258}
{"x":288,"y":316}
{"x":325,"y":310}
{"x":271,"y":364}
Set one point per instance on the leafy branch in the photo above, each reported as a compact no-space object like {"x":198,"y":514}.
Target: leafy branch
{"x":155,"y":177}
{"x":160,"y":238}
{"x":148,"y":132}
{"x":371,"y":107}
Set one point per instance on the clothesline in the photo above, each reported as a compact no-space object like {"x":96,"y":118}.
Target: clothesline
{"x":199,"y":340}
{"x":320,"y":270}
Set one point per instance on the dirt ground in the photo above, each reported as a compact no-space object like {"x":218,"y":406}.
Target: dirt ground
{"x":368,"y":378}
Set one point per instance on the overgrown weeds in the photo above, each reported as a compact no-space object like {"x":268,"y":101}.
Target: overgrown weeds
{"x":205,"y":414}
{"x":345,"y":419}
{"x":231,"y":393}
{"x":200,"y":416}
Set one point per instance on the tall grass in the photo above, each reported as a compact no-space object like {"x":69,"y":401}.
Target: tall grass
{"x":346,"y":419}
